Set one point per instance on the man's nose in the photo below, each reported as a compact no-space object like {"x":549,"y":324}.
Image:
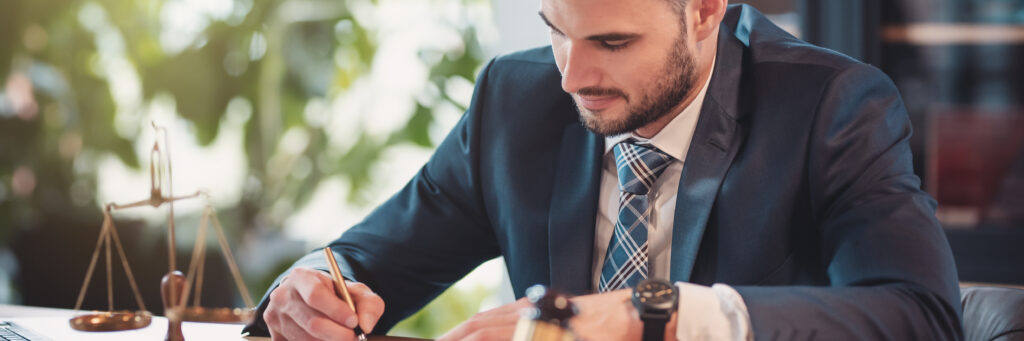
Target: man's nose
{"x":579,"y":70}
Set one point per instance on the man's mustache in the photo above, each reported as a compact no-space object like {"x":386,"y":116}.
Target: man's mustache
{"x":601,"y":92}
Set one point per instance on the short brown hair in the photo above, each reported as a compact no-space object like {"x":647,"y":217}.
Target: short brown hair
{"x":679,"y":6}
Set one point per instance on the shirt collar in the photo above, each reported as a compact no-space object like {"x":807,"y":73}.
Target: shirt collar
{"x":675,"y":138}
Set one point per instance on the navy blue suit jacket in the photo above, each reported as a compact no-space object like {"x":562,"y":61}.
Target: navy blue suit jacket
{"x":797,"y":190}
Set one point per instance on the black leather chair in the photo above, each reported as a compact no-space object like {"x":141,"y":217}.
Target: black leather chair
{"x":992,"y":313}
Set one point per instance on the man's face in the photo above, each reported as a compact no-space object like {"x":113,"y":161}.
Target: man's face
{"x":626,"y":63}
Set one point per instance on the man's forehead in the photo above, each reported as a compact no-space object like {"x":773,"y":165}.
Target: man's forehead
{"x":594,"y":16}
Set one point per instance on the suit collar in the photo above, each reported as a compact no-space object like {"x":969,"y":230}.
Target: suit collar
{"x":716,"y":140}
{"x":733,"y":39}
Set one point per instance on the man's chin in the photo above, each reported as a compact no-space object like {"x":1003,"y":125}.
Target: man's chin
{"x":603,"y":127}
{"x":605,"y":122}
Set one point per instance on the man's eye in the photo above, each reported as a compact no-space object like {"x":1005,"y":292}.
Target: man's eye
{"x":614,"y":45}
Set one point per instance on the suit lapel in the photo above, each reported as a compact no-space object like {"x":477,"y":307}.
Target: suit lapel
{"x":573,"y":212}
{"x":716,"y":140}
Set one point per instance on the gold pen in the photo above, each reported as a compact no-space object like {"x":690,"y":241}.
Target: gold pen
{"x":341,"y":290}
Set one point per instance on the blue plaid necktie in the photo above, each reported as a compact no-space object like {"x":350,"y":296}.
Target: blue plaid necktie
{"x":626,"y":261}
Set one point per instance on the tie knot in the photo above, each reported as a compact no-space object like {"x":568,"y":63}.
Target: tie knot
{"x":639,"y":165}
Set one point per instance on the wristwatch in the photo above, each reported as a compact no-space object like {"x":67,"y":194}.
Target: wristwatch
{"x":656,"y":300}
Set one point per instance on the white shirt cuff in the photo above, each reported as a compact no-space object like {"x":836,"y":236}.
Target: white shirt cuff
{"x":711,"y":313}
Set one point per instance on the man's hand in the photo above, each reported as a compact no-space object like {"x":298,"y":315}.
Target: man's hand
{"x":607,"y":316}
{"x":495,"y":324}
{"x":304,"y":307}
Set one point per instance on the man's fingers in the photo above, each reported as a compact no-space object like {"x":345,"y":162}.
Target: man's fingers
{"x":317,"y":324}
{"x":292,"y":330}
{"x":275,"y":336}
{"x":273,"y":324}
{"x":306,"y":306}
{"x":496,"y":333}
{"x":368,"y":304}
{"x":317,"y":291}
{"x":498,"y":323}
{"x":511,"y":308}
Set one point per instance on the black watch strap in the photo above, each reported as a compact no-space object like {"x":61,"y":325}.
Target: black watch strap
{"x":654,"y":329}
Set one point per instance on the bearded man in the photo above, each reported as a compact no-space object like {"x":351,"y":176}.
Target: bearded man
{"x":688,"y":141}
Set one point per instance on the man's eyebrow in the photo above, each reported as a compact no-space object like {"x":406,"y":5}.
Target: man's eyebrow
{"x":548,"y":22}
{"x":597,"y":37}
{"x":612,"y":36}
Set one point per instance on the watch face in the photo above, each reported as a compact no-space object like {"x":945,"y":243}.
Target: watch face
{"x":654,"y":293}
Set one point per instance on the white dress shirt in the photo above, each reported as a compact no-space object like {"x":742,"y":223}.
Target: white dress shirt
{"x":705,"y":313}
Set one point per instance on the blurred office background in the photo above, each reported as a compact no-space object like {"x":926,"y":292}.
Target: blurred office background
{"x":299,"y":116}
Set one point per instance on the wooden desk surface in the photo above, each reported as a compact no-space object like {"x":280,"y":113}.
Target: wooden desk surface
{"x":52,"y":322}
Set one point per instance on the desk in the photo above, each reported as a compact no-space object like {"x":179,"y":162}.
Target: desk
{"x":53,"y":323}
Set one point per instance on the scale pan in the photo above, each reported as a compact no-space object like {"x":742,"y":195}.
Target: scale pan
{"x":109,"y":321}
{"x":203,"y":314}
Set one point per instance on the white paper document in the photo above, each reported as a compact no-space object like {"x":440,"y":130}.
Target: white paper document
{"x":58,"y":329}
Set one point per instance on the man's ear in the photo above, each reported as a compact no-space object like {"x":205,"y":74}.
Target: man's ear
{"x":707,"y":15}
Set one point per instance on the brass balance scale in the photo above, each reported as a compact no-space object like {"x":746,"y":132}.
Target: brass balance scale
{"x":175,"y":287}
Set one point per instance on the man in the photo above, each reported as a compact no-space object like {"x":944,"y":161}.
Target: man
{"x":775,"y":190}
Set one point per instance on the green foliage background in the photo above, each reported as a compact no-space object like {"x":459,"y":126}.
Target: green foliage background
{"x":276,"y":55}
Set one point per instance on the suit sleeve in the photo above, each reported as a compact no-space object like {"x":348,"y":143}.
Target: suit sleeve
{"x":424,"y":238}
{"x":889,"y":264}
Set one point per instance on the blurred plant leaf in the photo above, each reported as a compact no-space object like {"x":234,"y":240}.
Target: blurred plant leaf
{"x":280,"y":58}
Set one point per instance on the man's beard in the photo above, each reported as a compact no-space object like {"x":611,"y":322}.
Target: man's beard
{"x":679,"y":78}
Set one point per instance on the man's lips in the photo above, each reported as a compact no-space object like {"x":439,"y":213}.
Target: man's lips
{"x":595,"y":103}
